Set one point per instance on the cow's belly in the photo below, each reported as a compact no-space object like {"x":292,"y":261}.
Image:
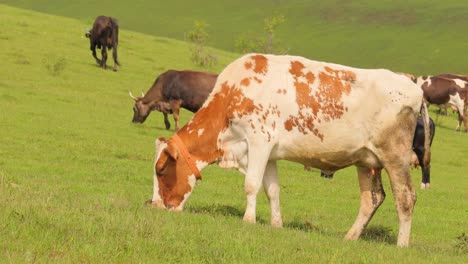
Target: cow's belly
{"x":340,"y":148}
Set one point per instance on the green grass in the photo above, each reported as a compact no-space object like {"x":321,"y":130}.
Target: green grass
{"x":418,"y":36}
{"x":74,"y":172}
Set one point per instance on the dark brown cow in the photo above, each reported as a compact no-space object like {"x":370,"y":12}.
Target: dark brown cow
{"x":446,"y":91}
{"x":104,"y":35}
{"x":172,"y":90}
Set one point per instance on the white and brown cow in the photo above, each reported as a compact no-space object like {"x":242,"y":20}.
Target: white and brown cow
{"x":447,"y":90}
{"x":265,"y":108}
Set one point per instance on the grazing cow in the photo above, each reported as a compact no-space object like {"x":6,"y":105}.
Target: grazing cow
{"x":417,"y":158}
{"x":266,"y":108}
{"x":104,"y":35}
{"x":172,"y":90}
{"x":446,"y":91}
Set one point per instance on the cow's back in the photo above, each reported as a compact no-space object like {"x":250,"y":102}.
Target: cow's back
{"x":191,"y":87}
{"x":311,"y":111}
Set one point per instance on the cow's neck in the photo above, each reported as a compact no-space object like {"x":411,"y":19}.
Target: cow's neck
{"x":200,"y":137}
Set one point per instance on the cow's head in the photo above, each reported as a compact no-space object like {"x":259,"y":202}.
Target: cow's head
{"x":174,"y":176}
{"x":140,"y":109}
{"x":88,"y":33}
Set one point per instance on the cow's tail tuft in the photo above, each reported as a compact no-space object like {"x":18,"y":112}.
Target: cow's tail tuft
{"x":427,"y":134}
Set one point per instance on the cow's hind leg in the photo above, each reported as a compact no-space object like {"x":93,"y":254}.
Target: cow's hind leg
{"x":396,"y":149}
{"x":372,"y":196}
{"x":114,"y":55}
{"x":405,"y":199}
{"x":272,"y":190}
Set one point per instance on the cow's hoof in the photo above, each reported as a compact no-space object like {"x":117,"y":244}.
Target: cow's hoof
{"x":425,"y":186}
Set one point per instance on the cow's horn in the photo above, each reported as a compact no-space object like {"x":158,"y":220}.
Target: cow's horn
{"x":142,"y":94}
{"x":131,"y":95}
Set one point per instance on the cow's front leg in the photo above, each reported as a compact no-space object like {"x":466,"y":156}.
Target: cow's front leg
{"x":166,"y":121}
{"x":272,"y":190}
{"x":175,"y":106}
{"x":257,"y":161}
{"x":93,"y":49}
{"x":104,"y":57}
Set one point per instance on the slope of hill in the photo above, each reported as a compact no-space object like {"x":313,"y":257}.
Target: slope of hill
{"x":75,"y":172}
{"x":419,"y":36}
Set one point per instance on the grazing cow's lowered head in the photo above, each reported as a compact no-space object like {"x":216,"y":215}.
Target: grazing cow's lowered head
{"x":175,"y":174}
{"x":143,"y":108}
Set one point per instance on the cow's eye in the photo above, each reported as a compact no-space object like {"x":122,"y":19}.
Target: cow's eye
{"x":135,"y":109}
{"x":160,"y":170}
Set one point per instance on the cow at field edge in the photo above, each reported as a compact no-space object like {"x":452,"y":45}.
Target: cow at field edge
{"x":266,"y":108}
{"x":172,"y":90}
{"x":417,"y":158}
{"x":446,"y":91}
{"x":104,"y":35}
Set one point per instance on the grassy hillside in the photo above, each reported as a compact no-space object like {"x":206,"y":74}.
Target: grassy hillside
{"x":74,"y":172}
{"x":418,"y":36}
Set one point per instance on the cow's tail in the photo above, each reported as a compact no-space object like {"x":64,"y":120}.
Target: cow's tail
{"x":427,"y":134}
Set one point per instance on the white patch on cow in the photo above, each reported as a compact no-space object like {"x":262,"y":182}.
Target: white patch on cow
{"x":200,"y":131}
{"x":455,"y":100}
{"x":191,"y":181}
{"x":201,"y":164}
{"x":459,"y":82}
{"x":160,"y":145}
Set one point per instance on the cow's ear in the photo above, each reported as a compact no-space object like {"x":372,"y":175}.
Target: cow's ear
{"x":171,"y":151}
{"x":159,"y":141}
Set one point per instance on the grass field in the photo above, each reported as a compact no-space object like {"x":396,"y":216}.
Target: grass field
{"x":74,"y":171}
{"x":417,"y":36}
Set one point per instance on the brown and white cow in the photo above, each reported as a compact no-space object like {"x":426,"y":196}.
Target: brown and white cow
{"x":446,"y":90}
{"x":266,"y":108}
{"x":104,"y":35}
{"x":171,"y":91}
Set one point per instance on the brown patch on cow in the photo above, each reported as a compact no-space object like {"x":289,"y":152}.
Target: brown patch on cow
{"x":248,"y":65}
{"x":288,"y":124}
{"x":245,"y":82}
{"x":281,"y":91}
{"x":261,"y":64}
{"x":296,"y":69}
{"x":257,"y":80}
{"x":325,"y":99}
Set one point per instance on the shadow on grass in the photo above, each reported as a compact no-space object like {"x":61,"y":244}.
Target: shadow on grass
{"x":379,"y":234}
{"x":223,"y":210}
{"x":307,"y":226}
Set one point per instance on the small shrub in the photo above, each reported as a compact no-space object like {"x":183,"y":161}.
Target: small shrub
{"x":268,"y":43}
{"x":462,"y":244}
{"x":200,"y":55}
